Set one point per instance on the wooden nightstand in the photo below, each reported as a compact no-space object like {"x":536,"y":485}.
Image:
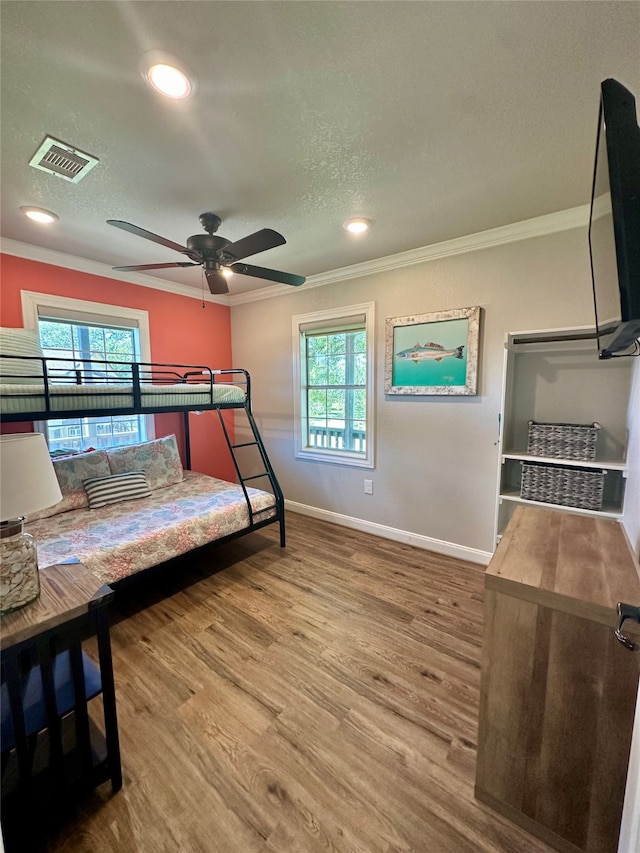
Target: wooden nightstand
{"x":51,"y":747}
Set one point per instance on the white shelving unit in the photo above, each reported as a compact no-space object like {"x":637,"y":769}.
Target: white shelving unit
{"x":555,"y":376}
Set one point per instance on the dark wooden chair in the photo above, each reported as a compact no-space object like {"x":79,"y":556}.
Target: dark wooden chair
{"x":53,"y":747}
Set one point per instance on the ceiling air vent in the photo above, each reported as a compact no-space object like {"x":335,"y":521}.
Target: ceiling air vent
{"x":62,"y":160}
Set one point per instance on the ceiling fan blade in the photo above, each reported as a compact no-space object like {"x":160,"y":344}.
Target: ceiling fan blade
{"x":269,"y":275}
{"x":259,"y":241}
{"x":216,"y":281}
{"x":156,"y":266}
{"x":155,"y":238}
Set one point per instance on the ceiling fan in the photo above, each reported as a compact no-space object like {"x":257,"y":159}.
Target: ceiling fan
{"x":216,"y":253}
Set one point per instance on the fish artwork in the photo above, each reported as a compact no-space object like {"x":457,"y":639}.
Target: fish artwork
{"x":429,"y":351}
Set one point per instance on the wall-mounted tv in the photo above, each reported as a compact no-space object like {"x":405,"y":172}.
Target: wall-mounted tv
{"x":614,"y":226}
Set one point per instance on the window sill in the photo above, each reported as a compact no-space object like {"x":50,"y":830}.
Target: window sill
{"x":341,"y":457}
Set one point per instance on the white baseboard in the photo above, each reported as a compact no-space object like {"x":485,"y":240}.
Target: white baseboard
{"x":417,"y":540}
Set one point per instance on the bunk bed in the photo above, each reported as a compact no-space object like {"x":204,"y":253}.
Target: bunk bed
{"x":38,"y":388}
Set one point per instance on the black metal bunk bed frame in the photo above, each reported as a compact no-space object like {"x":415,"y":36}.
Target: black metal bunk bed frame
{"x":132,"y":377}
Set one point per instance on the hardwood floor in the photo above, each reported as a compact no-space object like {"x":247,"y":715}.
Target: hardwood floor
{"x":323,"y":697}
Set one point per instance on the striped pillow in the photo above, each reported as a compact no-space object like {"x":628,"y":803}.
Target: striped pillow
{"x":102,"y":491}
{"x":20,"y":371}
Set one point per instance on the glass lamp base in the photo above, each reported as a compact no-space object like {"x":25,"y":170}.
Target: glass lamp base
{"x":19,"y":578}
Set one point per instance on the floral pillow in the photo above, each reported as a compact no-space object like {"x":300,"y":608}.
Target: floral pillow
{"x":159,"y":459}
{"x":71,"y":472}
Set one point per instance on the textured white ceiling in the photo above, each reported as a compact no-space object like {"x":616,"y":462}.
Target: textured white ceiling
{"x":433,"y":119}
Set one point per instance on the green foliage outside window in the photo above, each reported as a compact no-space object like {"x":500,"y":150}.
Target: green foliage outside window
{"x":336,"y":364}
{"x":75,"y":342}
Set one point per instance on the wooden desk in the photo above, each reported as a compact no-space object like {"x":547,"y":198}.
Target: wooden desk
{"x":50,"y":745}
{"x":558,"y":689}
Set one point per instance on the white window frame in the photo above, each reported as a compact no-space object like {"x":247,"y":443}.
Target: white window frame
{"x":301,"y":323}
{"x":35,"y":303}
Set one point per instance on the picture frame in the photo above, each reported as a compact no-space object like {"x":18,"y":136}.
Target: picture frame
{"x":437,"y":353}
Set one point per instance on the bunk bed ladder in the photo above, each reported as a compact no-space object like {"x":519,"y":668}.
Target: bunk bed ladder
{"x":268,"y":472}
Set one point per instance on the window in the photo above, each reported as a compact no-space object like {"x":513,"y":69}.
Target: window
{"x":77,"y":330}
{"x":333,"y":369}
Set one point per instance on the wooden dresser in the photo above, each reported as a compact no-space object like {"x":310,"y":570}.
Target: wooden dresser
{"x":558,"y":689}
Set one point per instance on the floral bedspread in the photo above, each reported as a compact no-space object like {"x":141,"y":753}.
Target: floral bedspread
{"x":124,"y":538}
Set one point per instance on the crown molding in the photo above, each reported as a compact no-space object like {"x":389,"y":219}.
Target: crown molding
{"x":551,"y":223}
{"x":268,"y":292}
{"x":71,"y":262}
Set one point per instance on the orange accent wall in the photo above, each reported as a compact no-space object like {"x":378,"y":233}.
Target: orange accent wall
{"x":181,"y":331}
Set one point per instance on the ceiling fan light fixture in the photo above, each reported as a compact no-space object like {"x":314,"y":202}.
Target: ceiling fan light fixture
{"x":39,"y":214}
{"x":226,"y":272}
{"x":213,"y":253}
{"x":167,"y":75}
{"x":357,"y":225}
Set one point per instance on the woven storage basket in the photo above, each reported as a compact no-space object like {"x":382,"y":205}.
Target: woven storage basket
{"x":563,"y":441}
{"x":575,"y":487}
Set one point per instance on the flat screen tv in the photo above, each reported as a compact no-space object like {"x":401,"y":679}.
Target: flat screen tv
{"x":614,"y":225}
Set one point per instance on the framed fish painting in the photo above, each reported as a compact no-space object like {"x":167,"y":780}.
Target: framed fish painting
{"x":432,"y":353}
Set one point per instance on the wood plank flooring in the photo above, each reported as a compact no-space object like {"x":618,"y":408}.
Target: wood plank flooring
{"x":323,"y":697}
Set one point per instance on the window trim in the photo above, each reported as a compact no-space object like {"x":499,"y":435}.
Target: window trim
{"x":303,"y":323}
{"x":32,"y":301}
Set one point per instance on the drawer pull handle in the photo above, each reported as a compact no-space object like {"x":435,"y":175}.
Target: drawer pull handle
{"x":627,"y":611}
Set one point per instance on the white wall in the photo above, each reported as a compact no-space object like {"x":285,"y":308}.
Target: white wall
{"x":436,"y":457}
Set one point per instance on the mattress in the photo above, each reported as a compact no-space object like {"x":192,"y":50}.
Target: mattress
{"x":20,"y":398}
{"x":124,"y":538}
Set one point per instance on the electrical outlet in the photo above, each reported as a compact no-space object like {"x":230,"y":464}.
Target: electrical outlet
{"x":368,"y":487}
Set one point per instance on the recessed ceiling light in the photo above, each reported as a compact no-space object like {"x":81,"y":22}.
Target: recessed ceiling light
{"x":167,"y":75}
{"x":38,"y":214}
{"x":169,"y":81}
{"x":357,"y":225}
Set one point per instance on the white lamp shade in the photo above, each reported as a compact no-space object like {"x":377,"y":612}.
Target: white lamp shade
{"x":28,"y":480}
